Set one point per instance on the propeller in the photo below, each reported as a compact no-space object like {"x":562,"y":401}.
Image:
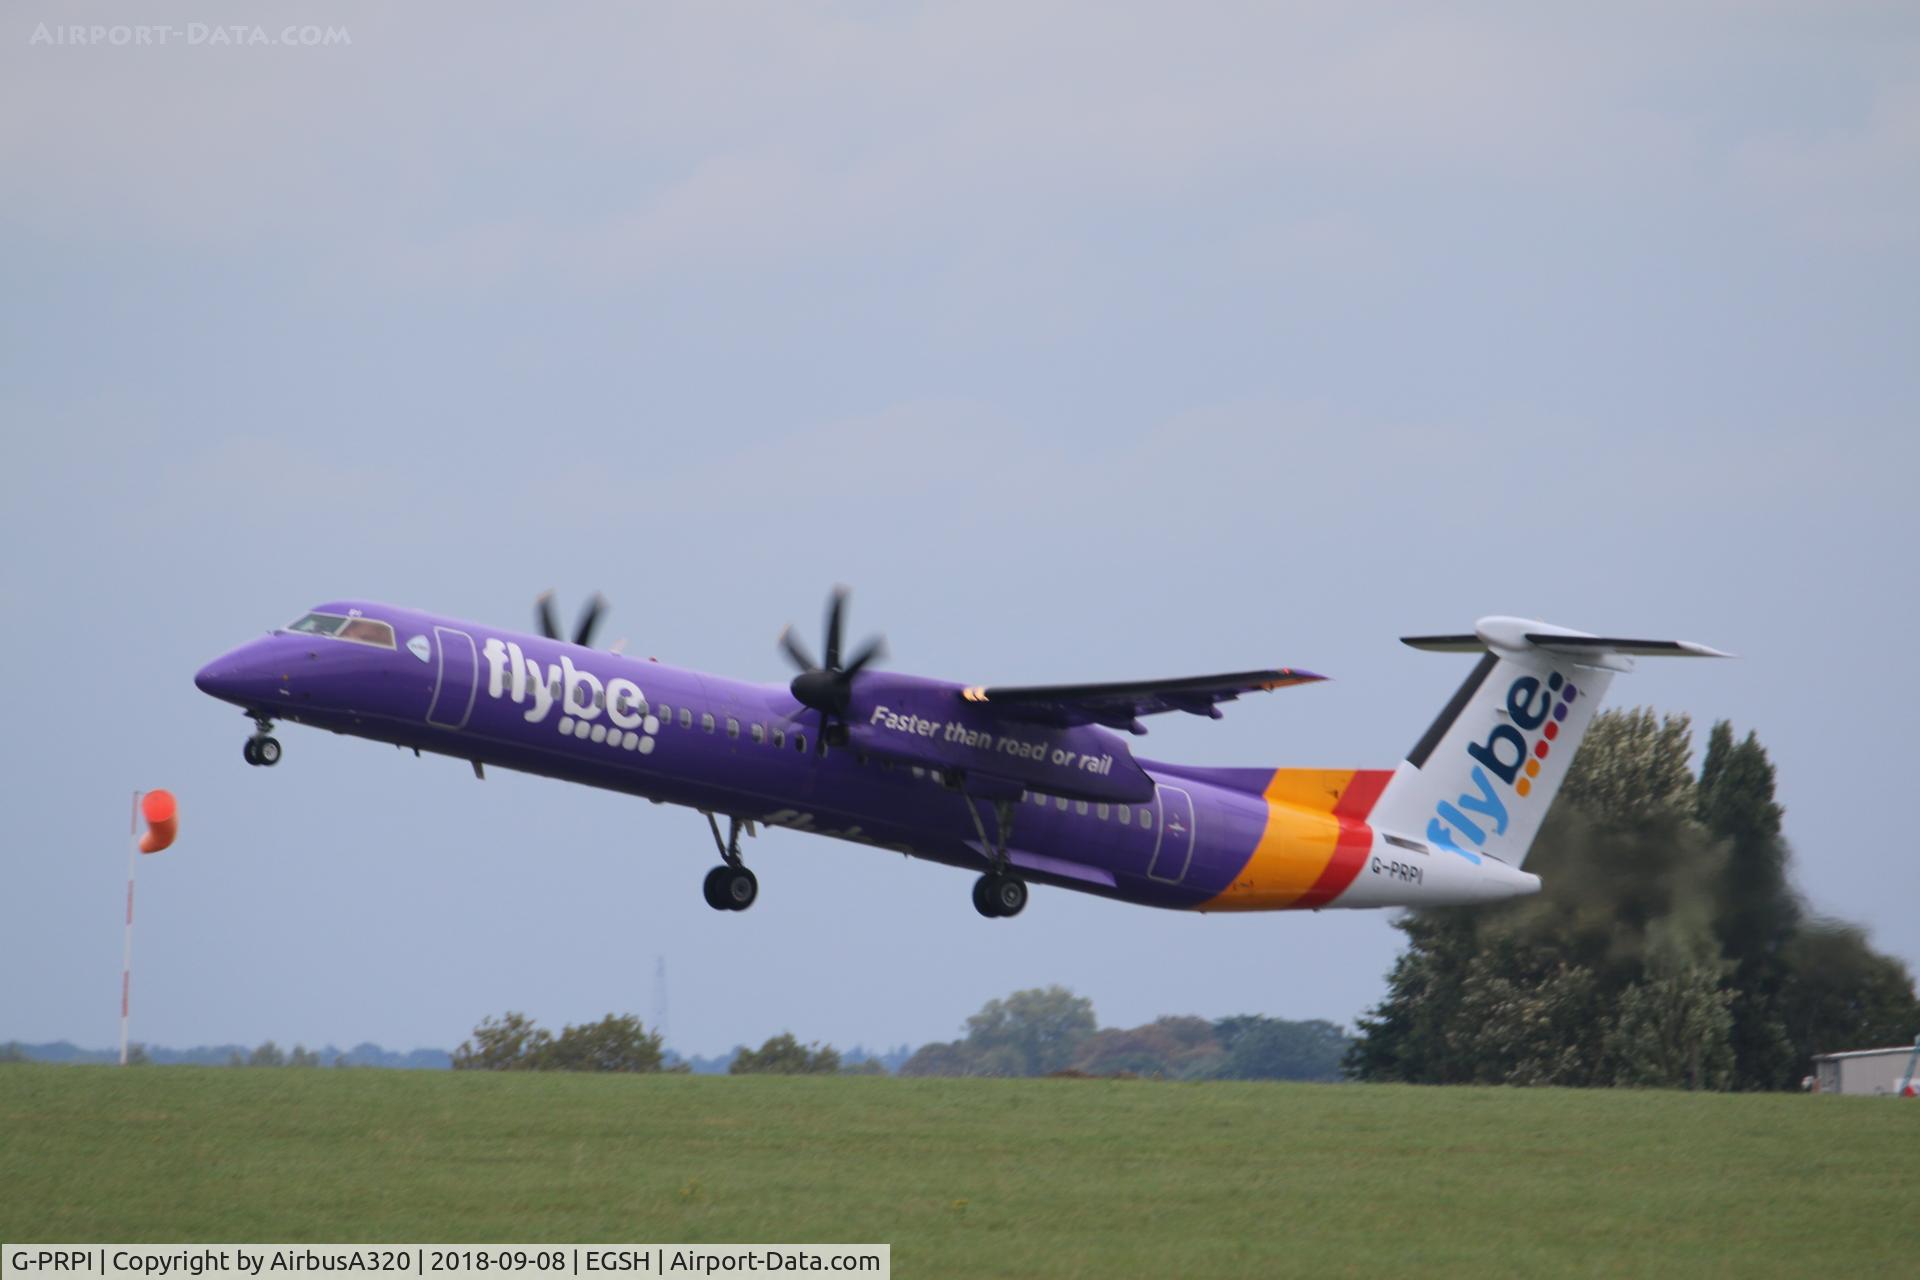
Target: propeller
{"x":828,"y":688}
{"x":582,"y":631}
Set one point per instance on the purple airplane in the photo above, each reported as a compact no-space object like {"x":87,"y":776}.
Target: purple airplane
{"x":1021,"y":783}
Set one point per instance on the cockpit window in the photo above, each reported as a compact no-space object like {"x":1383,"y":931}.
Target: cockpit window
{"x":320,"y":624}
{"x":359,"y":630}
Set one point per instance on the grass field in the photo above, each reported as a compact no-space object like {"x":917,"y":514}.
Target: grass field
{"x":974,"y":1177}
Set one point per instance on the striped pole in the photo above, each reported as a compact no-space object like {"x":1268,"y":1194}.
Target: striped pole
{"x":126,"y":951}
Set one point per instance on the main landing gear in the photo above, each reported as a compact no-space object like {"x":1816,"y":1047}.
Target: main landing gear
{"x":999,"y":893}
{"x":996,"y":894}
{"x":262,"y":748}
{"x":730,"y":887}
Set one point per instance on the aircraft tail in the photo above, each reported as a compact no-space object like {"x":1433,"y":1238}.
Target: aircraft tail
{"x":1480,"y":780}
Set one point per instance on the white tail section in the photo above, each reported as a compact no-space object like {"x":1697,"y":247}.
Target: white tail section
{"x":1480,"y":781}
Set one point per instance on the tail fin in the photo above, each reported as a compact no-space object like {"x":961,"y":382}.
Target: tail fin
{"x":1480,"y":780}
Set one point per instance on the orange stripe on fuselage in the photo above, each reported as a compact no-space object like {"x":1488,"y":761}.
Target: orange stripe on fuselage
{"x":1314,"y":844}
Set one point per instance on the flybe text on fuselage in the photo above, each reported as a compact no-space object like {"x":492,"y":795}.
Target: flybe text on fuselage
{"x":1507,"y":755}
{"x":580,"y":695}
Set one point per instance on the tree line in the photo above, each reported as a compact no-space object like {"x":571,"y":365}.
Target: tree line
{"x":1044,"y":1031}
{"x":1668,"y":947}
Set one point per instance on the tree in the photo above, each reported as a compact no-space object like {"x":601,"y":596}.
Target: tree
{"x":1759,"y":912}
{"x":1675,"y":1029}
{"x":12,"y":1052}
{"x":137,"y":1056}
{"x":1839,"y":994}
{"x":267,"y":1055}
{"x":782,"y":1055}
{"x":303,"y":1057}
{"x":1633,"y":765}
{"x":864,"y":1067}
{"x":1667,"y":947}
{"x":1174,"y":1048}
{"x":943,"y":1058}
{"x":1257,"y":1048}
{"x":511,"y":1044}
{"x":1040,"y":1030}
{"x":611,"y":1044}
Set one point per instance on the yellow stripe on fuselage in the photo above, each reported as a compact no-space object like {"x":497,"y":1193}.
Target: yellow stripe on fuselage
{"x":1296,"y":845}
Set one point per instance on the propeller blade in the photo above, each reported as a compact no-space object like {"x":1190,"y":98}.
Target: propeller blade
{"x":836,"y":606}
{"x":543,"y":614}
{"x":589,"y":618}
{"x":874,"y":650}
{"x":796,"y":651}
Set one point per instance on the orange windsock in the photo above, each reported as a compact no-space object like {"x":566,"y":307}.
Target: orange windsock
{"x":163,"y":820}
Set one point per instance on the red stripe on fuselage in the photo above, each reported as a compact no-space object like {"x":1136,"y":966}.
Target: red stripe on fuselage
{"x":1356,"y":837}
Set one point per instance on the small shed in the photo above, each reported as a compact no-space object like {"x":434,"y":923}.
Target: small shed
{"x":1887,"y":1072}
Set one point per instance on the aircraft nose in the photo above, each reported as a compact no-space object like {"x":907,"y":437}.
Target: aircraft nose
{"x":217,"y":678}
{"x":243,"y":676}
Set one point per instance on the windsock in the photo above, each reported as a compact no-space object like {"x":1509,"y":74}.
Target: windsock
{"x":163,"y":820}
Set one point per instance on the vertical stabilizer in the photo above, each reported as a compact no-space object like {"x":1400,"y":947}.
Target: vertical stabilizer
{"x":1480,"y":780}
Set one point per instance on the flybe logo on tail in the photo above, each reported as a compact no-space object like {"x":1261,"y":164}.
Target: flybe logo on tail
{"x":1511,"y":755}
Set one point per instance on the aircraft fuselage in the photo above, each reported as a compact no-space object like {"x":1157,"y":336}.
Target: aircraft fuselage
{"x":1088,"y":816}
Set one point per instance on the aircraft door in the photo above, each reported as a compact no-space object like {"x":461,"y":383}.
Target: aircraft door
{"x":457,"y":681}
{"x":1173,"y":849}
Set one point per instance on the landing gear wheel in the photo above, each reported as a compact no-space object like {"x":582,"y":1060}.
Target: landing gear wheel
{"x":266,"y":751}
{"x":999,"y":896}
{"x":731,"y":888}
{"x":251,"y":754}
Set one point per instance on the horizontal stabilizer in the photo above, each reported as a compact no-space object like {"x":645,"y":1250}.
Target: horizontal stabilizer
{"x":1445,"y":644}
{"x":1640,"y":648}
{"x":1517,"y":635}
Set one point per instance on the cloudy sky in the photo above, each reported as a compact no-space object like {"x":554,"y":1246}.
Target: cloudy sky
{"x":1084,"y":340}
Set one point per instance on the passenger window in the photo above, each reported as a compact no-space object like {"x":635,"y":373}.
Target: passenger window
{"x":800,"y":743}
{"x":1146,"y":819}
{"x":686,"y":718}
{"x":1060,"y":803}
{"x":733,"y":727}
{"x":1101,"y":813}
{"x":1126,"y":816}
{"x":666,"y":714}
{"x":1080,"y":807}
{"x":600,"y":699}
{"x":706,"y":721}
{"x":641,"y":708}
{"x":779,"y":737}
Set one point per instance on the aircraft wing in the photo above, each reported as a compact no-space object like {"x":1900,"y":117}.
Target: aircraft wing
{"x":1120,"y":705}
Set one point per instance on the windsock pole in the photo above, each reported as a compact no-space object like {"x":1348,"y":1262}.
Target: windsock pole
{"x":126,"y":951}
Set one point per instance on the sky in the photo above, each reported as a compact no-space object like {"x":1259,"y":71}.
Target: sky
{"x":1083,"y":341}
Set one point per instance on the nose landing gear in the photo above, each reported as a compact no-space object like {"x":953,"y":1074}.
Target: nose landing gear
{"x":262,"y":748}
